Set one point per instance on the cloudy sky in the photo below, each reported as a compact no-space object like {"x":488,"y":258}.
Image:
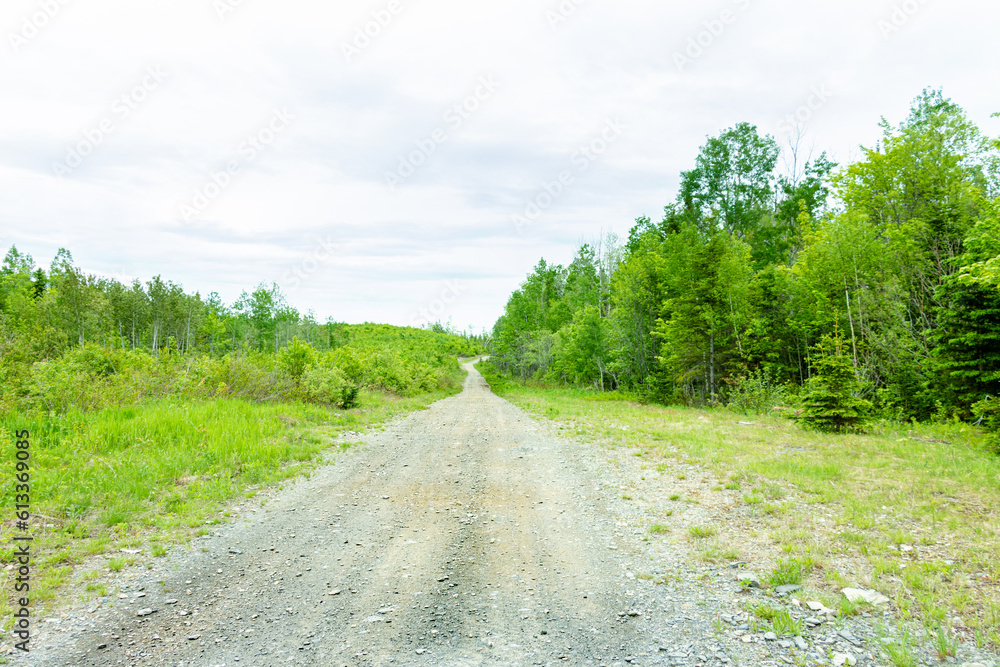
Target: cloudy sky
{"x":391,"y":160}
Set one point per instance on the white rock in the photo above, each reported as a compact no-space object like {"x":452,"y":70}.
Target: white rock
{"x":844,"y":659}
{"x":860,"y":595}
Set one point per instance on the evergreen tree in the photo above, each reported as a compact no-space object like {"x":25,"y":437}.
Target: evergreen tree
{"x":831,"y":403}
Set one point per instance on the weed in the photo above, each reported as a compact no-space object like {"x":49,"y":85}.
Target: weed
{"x":774,"y":509}
{"x":675,"y":496}
{"x":945,"y":643}
{"x":764,"y":611}
{"x":791,"y":571}
{"x":100,"y":589}
{"x":702,"y":532}
{"x":716,"y":553}
{"x":786,"y":625}
{"x":659,"y":529}
{"x":900,"y":649}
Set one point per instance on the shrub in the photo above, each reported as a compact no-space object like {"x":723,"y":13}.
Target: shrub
{"x":296,"y":358}
{"x":830,"y":403}
{"x":327,"y":384}
{"x":758,"y":392}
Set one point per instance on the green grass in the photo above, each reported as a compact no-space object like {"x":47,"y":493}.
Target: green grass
{"x":113,"y":478}
{"x":702,"y":532}
{"x":931,"y":485}
{"x":791,"y":571}
{"x":900,"y":649}
{"x":717,"y":553}
{"x":659,"y":529}
{"x":779,"y":620}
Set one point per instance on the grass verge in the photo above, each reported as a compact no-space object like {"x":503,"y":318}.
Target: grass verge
{"x":910,"y":510}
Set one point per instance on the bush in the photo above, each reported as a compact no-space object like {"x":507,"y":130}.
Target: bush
{"x":327,"y":384}
{"x":756,"y":393}
{"x":296,"y":358}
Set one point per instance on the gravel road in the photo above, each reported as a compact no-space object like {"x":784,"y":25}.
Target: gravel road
{"x":464,"y":534}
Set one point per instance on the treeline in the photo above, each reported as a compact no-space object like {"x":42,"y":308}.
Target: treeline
{"x":70,"y":339}
{"x":752,"y":278}
{"x":67,"y":307}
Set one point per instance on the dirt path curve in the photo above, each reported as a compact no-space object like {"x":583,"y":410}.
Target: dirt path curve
{"x":459,"y":535}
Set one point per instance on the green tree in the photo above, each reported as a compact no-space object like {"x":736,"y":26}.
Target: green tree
{"x":967,"y":336}
{"x":831,"y":403}
{"x":707,"y":310}
{"x":732,"y":186}
{"x":582,"y":351}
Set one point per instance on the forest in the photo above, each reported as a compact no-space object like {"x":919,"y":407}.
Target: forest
{"x":71,"y":340}
{"x":858,"y":291}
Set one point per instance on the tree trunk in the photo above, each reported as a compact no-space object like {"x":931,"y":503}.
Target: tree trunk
{"x":711,"y":366}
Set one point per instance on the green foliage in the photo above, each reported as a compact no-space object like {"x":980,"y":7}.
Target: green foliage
{"x":791,"y":571}
{"x":830,"y":403}
{"x":297,"y":358}
{"x":968,"y":343}
{"x":328,"y":385}
{"x":757,"y":392}
{"x":731,"y":187}
{"x":987,"y":412}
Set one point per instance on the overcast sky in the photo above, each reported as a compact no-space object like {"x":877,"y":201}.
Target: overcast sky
{"x":392,"y":160}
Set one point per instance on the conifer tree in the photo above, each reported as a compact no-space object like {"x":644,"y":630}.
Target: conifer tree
{"x":831,"y":403}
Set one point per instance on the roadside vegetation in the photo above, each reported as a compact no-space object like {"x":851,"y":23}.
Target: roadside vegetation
{"x":909,"y":510}
{"x":151,"y":410}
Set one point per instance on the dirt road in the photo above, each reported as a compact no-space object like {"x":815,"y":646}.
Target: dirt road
{"x":463,"y":534}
